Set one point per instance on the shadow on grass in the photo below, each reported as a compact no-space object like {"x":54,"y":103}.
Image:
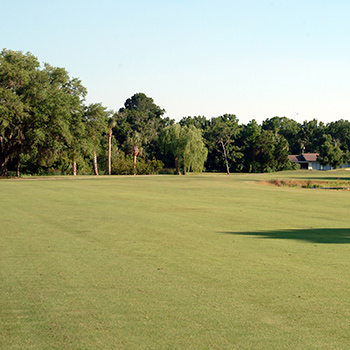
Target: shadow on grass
{"x":320,"y":235}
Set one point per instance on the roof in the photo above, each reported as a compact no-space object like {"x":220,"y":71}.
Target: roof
{"x":310,"y":157}
{"x":305,"y":157}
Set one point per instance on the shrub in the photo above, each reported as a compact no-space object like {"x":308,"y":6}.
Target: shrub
{"x":291,"y":166}
{"x":310,"y":184}
{"x":125,"y":165}
{"x":151,"y":166}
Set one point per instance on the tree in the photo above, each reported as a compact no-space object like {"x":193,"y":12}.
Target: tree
{"x":111,"y":125}
{"x":221,"y":134}
{"x":171,"y":141}
{"x":331,"y":154}
{"x":61,"y":118}
{"x":288,"y":128}
{"x":247,"y":142}
{"x":195,"y":153}
{"x":15,"y":72}
{"x":340,"y":131}
{"x":39,"y":111}
{"x":141,"y":116}
{"x":75,"y":146}
{"x":270,"y":151}
{"x":264,"y":150}
{"x":185,"y":145}
{"x":200,"y":122}
{"x":96,"y":121}
{"x":134,"y":142}
{"x":281,"y":153}
{"x":311,"y":134}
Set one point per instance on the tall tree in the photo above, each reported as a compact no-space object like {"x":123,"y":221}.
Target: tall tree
{"x":195,"y":153}
{"x":270,"y":151}
{"x":96,"y":121}
{"x":340,"y":131}
{"x":200,"y":122}
{"x":172,"y":142}
{"x":142,"y":116}
{"x":281,"y":152}
{"x":111,"y":125}
{"x":38,"y":107}
{"x":64,"y":107}
{"x":134,"y":146}
{"x":331,"y":154}
{"x":265,"y":149}
{"x":288,"y":128}
{"x":16,"y":70}
{"x":311,"y":135}
{"x":247,"y":142}
{"x":220,"y":136}
{"x":186,"y":146}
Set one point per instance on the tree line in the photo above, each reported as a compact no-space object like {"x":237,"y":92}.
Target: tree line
{"x":46,"y":127}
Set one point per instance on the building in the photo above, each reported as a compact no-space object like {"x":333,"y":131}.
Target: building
{"x":309,"y":161}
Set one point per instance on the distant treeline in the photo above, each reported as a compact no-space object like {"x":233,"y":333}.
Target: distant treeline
{"x":47,"y":128}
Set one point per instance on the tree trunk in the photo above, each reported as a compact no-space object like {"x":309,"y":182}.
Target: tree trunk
{"x":225,"y":155}
{"x":135,"y":153}
{"x":135,"y":159}
{"x":74,"y":166}
{"x":18,"y":163}
{"x":177,"y":165}
{"x":110,"y":151}
{"x":95,"y":164}
{"x":3,"y":167}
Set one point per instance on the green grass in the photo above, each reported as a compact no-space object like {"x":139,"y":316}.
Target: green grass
{"x":166,"y":262}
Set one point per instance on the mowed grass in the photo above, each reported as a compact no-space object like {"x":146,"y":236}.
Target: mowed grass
{"x":166,"y":262}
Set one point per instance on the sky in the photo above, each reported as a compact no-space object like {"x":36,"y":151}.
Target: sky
{"x":253,"y":58}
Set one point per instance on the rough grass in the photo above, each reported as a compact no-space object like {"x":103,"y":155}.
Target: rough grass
{"x":329,"y":185}
{"x":166,"y":262}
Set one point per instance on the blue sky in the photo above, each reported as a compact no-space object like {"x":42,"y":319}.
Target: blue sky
{"x":253,"y":58}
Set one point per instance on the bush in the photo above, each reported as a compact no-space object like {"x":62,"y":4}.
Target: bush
{"x":291,"y":166}
{"x":125,"y":165}
{"x":152,"y":166}
{"x":310,"y":184}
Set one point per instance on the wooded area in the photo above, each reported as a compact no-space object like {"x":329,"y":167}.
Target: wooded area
{"x":47,"y":128}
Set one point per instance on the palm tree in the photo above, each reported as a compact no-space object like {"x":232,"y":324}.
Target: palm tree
{"x":111,"y":125}
{"x":135,"y":141}
{"x":95,"y":164}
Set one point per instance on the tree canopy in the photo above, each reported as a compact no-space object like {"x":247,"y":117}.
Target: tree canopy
{"x":220,"y":135}
{"x":41,"y":110}
{"x":45,"y":126}
{"x":186,"y":146}
{"x":331,"y":154}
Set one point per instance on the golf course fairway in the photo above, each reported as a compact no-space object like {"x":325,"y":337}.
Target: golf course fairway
{"x":174,"y":262}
